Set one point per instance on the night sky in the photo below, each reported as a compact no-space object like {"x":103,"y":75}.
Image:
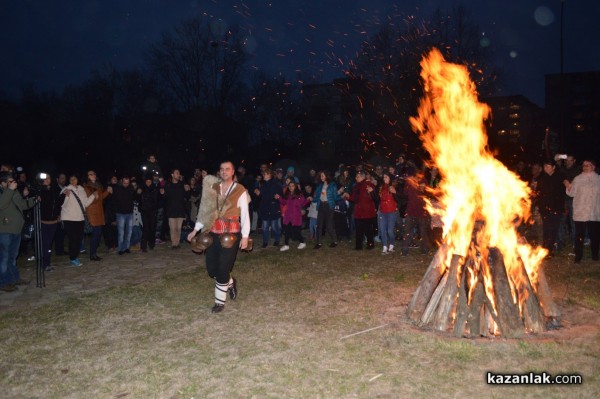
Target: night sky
{"x":49,"y":44}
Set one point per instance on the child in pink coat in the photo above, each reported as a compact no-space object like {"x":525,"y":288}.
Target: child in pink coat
{"x":294,"y":202}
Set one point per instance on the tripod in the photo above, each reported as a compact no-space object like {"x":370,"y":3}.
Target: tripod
{"x":37,"y":229}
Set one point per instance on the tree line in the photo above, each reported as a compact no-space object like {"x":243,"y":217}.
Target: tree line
{"x":196,"y":101}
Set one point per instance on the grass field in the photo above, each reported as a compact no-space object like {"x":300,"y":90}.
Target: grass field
{"x":307,"y":324}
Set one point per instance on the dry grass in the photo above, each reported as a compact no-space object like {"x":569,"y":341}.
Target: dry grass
{"x":283,"y":337}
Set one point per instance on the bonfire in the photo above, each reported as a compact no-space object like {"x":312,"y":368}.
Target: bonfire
{"x":485,"y":279}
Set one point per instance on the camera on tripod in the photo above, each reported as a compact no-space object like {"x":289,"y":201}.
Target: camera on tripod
{"x":38,"y":185}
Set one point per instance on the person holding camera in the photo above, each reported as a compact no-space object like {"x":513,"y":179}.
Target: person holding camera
{"x":12,"y":205}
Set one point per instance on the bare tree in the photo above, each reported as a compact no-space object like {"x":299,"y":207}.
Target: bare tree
{"x":389,"y":61}
{"x":200,"y":62}
{"x":273,"y":110}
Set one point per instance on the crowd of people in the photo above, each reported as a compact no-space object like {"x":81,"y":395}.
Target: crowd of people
{"x":366,"y":204}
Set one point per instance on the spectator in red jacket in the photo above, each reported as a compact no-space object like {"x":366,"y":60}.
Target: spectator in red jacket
{"x":365,"y":214}
{"x":388,"y":213}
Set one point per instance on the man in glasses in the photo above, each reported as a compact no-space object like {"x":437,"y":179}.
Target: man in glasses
{"x":12,"y":206}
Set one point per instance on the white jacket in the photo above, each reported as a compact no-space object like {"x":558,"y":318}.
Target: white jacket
{"x":71,"y":211}
{"x":585,"y":191}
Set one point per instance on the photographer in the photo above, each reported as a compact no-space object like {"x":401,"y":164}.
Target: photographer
{"x":12,"y":206}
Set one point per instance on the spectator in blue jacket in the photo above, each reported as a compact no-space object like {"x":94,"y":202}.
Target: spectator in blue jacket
{"x":326,"y":195}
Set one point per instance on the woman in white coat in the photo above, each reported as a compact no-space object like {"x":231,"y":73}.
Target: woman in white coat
{"x":72,"y":216}
{"x":585,"y":190}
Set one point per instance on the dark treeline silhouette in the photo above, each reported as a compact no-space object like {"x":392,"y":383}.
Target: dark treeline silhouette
{"x":197,"y":102}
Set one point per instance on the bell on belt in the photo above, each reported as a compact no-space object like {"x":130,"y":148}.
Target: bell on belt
{"x":201,"y":242}
{"x":228,"y":240}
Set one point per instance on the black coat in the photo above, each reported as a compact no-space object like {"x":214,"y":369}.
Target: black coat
{"x":551,"y":191}
{"x":269,"y":208}
{"x":51,"y":203}
{"x":148,"y":199}
{"x":122,"y":199}
{"x":175,"y":198}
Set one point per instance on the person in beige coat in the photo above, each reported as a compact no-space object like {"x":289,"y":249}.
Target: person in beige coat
{"x":72,"y":216}
{"x":585,"y":190}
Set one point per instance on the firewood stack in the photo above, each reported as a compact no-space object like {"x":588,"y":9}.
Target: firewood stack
{"x":475,"y":296}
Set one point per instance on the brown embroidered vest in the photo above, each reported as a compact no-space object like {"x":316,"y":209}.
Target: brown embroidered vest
{"x":229,"y":210}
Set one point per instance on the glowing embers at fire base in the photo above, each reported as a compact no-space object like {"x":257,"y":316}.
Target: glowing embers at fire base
{"x":484,"y":279}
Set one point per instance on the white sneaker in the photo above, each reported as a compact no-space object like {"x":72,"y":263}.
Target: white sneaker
{"x":284,"y":248}
{"x":301,"y":245}
{"x":385,"y":250}
{"x":391,"y":248}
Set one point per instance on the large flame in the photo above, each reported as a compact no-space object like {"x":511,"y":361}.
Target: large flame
{"x":481,"y":202}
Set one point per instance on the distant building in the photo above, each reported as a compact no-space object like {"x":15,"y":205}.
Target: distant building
{"x":573,"y":106}
{"x":516,"y":128}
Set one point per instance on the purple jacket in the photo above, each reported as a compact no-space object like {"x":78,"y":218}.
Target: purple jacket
{"x":293,"y":209}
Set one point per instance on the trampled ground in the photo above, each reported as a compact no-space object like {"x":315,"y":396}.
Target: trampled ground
{"x":307,"y":324}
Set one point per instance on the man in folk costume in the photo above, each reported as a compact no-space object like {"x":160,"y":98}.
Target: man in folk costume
{"x":224,"y":214}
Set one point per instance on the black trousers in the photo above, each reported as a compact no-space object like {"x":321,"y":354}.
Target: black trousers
{"x":593,"y":230}
{"x":148,"y":229}
{"x":325,"y":219}
{"x":550,"y":225}
{"x":293,"y":232}
{"x":220,"y":260}
{"x":365,"y":227}
{"x":59,"y":240}
{"x":74,"y":233}
{"x":48,"y":232}
{"x":109,"y":231}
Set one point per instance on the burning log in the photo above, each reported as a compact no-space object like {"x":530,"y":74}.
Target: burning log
{"x":448,"y":301}
{"x":463,"y":307}
{"x":427,"y":285}
{"x":533,"y":316}
{"x":506,"y":312}
{"x":545,"y":296}
{"x":433,"y":303}
{"x":474,"y":316}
